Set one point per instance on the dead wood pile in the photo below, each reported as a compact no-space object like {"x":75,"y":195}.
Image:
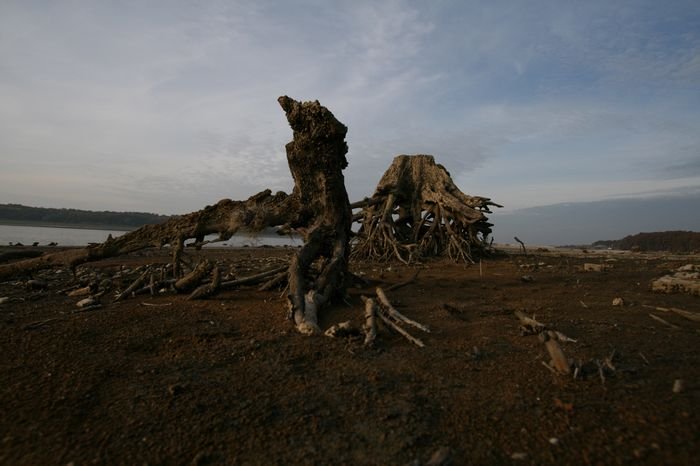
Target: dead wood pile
{"x":685,"y":279}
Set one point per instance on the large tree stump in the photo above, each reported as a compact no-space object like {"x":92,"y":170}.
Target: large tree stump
{"x":417,"y":210}
{"x":316,"y":158}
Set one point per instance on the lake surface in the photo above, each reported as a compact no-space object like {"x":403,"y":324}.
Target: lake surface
{"x":81,"y":237}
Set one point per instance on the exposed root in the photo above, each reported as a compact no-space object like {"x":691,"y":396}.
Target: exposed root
{"x":192,"y":279}
{"x":385,"y":311}
{"x":416,"y":211}
{"x":209,"y":289}
{"x":396,"y":315}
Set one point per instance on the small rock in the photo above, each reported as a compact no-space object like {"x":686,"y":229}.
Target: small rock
{"x":80,"y":292}
{"x":441,"y":457}
{"x":554,"y":441}
{"x":678,"y":386}
{"x":175,"y":389}
{"x":527,"y":278}
{"x":36,"y":285}
{"x":476,"y":353}
{"x":86,"y":302}
{"x":4,"y":300}
{"x":518,"y":456}
{"x":619,"y":302}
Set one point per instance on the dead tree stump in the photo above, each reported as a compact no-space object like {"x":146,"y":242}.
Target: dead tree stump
{"x":316,"y":158}
{"x":417,"y":210}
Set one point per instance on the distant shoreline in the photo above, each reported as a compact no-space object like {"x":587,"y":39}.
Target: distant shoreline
{"x":79,"y":226}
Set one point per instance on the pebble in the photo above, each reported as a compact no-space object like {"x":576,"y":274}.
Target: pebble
{"x":678,"y":386}
{"x":554,"y":441}
{"x":36,"y":285}
{"x":618,"y":302}
{"x":80,"y":292}
{"x":518,"y":456}
{"x":441,"y":457}
{"x":86,"y":302}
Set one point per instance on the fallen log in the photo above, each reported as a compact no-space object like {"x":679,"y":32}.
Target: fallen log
{"x":253,"y":279}
{"x":224,"y":218}
{"x":208,"y":289}
{"x":678,"y":283}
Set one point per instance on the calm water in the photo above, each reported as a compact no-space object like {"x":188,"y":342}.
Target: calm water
{"x":80,"y":237}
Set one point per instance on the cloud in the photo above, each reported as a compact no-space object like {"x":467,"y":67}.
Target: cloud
{"x":168,"y":106}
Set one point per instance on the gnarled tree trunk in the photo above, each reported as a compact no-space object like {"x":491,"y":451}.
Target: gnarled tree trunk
{"x":316,"y":158}
{"x":224,"y":218}
{"x":417,"y":210}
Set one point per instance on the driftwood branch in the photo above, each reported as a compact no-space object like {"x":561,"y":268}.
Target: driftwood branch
{"x":253,"y":279}
{"x":135,"y":285}
{"x":396,"y":315}
{"x":208,"y":289}
{"x":370,"y":327}
{"x":386,"y":312}
{"x":192,"y":279}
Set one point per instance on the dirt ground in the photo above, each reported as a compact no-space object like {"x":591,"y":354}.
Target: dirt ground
{"x":228,"y":381}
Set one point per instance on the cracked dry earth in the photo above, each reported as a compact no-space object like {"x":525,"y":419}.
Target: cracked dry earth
{"x":228,"y":381}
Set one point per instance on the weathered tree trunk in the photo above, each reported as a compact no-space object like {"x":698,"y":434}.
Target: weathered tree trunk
{"x":316,"y":158}
{"x":225,"y":218}
{"x":417,"y":210}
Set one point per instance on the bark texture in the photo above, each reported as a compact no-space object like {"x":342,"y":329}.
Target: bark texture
{"x":416,"y":211}
{"x":316,"y":158}
{"x":224,"y":218}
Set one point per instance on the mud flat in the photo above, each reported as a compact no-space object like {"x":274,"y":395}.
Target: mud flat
{"x":163,"y":380}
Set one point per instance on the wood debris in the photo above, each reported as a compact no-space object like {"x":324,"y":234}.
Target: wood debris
{"x":685,"y":279}
{"x":383,"y":309}
{"x":588,"y":267}
{"x":663,"y":321}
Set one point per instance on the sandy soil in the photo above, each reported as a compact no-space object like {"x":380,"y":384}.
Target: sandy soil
{"x":228,"y":381}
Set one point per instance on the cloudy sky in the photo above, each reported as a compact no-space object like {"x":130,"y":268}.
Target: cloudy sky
{"x":169,"y":106}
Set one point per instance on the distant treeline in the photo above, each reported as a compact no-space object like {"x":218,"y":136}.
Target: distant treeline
{"x":673,"y":241}
{"x":20,"y":214}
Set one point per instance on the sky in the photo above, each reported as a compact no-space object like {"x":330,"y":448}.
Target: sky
{"x":168,"y":106}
